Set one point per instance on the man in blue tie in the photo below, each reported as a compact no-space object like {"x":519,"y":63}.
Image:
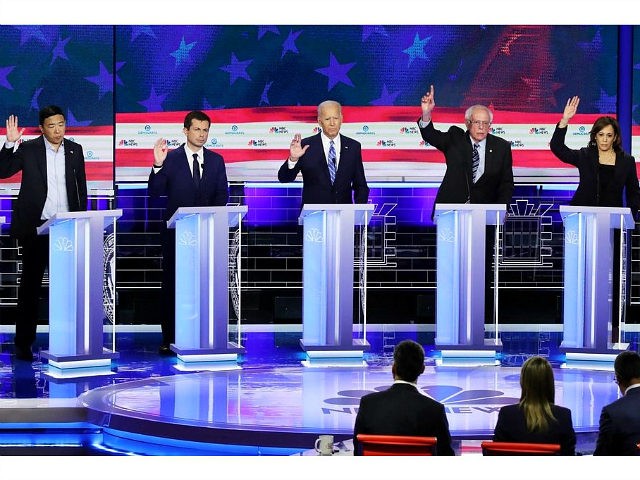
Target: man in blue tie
{"x":479,"y":164}
{"x":330,"y":163}
{"x":189,"y":176}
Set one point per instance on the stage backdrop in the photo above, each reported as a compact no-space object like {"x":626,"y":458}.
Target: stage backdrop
{"x":69,"y":66}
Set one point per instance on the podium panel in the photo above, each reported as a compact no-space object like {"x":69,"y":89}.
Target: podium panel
{"x":460,"y":295}
{"x":76,"y":275}
{"x":588,"y":284}
{"x":328,"y":277}
{"x":202,"y":283}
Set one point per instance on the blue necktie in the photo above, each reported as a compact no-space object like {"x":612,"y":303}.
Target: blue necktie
{"x":332,"y":162}
{"x":196,"y":171}
{"x":476,"y":162}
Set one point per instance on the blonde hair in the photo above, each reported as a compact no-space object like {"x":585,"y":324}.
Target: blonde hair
{"x":538,"y":394}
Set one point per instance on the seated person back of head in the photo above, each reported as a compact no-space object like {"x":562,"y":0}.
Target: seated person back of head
{"x":619,"y":431}
{"x":402,"y":409}
{"x":536,"y":419}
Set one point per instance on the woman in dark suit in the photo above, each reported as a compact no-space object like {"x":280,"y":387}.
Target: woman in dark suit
{"x":606,"y":171}
{"x":536,"y":418}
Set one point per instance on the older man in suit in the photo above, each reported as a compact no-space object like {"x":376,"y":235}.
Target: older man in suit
{"x":330,"y":163}
{"x":189,"y":176}
{"x":479,"y":164}
{"x":53,"y":181}
{"x":619,"y":432}
{"x":402,"y":409}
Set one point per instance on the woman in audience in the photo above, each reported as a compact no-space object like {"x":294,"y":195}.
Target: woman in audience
{"x":536,"y":418}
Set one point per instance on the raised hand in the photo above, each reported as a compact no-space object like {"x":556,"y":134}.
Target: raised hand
{"x":13,"y":132}
{"x":570,"y":109}
{"x":428,"y":103}
{"x":296,"y":150}
{"x":159,"y":152}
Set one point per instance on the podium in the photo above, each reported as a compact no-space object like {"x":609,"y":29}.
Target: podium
{"x":76,"y":275}
{"x":203,"y":271}
{"x":328,"y":279}
{"x":460,"y":296}
{"x":588,"y":284}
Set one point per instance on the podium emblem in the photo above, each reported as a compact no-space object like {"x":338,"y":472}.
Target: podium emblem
{"x":446,"y":235}
{"x":188,"y":239}
{"x":314,"y":235}
{"x":571,"y":237}
{"x":63,"y":244}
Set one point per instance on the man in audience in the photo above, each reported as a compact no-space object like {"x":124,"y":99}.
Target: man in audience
{"x":402,"y":409}
{"x":619,"y":431}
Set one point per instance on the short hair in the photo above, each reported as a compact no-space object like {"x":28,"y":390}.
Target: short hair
{"x":599,"y":124}
{"x":326,"y":103}
{"x":408,"y":360}
{"x":49,"y":111}
{"x":469,"y":112}
{"x":627,"y":366}
{"x":195,"y":115}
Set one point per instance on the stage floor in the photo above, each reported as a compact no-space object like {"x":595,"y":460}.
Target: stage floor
{"x":270,"y":404}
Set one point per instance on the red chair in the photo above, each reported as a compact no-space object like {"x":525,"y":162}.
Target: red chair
{"x":396,"y":445}
{"x":515,"y":448}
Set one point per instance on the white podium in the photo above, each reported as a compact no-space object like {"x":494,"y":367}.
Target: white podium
{"x":328,"y":280}
{"x":203,"y":271}
{"x":588,"y":282}
{"x":460,"y":295}
{"x":76,"y":275}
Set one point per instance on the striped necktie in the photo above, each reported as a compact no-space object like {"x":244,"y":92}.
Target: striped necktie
{"x":332,"y":162}
{"x":476,"y":162}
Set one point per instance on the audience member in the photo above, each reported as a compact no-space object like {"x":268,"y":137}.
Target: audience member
{"x":402,"y":409}
{"x":536,"y":418}
{"x":619,"y":431}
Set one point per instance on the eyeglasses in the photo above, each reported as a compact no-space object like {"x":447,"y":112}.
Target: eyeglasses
{"x":480,"y":123}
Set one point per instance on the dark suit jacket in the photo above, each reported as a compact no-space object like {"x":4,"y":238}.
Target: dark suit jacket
{"x":512,"y":427}
{"x":625,"y":176}
{"x":31,"y":159}
{"x":620,"y":426}
{"x":175,"y":181}
{"x":317,"y":188}
{"x":496,"y":183}
{"x":402,"y":410}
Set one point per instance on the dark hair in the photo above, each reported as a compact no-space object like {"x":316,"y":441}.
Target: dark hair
{"x":408,"y":360}
{"x":627,"y":366}
{"x":49,"y":111}
{"x":538,"y":393}
{"x":195,"y":115}
{"x":599,"y":124}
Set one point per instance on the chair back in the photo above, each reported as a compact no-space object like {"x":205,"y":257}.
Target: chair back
{"x":517,"y":448}
{"x":396,"y":445}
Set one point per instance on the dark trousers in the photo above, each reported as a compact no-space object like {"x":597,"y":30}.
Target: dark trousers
{"x":35,"y":259}
{"x":167,"y":320}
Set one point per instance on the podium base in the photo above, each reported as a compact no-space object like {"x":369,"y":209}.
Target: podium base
{"x":469,"y":355}
{"x":79,"y":366}
{"x":592,"y":359}
{"x":193,"y":359}
{"x":335,"y":355}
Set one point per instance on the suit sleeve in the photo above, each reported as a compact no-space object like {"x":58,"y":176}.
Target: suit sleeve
{"x":157,"y":185}
{"x":560,"y":150}
{"x":222,"y":186}
{"x":360,"y":187}
{"x":443,"y":435}
{"x":359,"y":427}
{"x":568,"y":440}
{"x":505,"y":190}
{"x":605,"y":434}
{"x":286,"y":174}
{"x":10,"y":161}
{"x":434,"y":137}
{"x":81,"y":180}
{"x":500,"y":431}
{"x":632,"y":189}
